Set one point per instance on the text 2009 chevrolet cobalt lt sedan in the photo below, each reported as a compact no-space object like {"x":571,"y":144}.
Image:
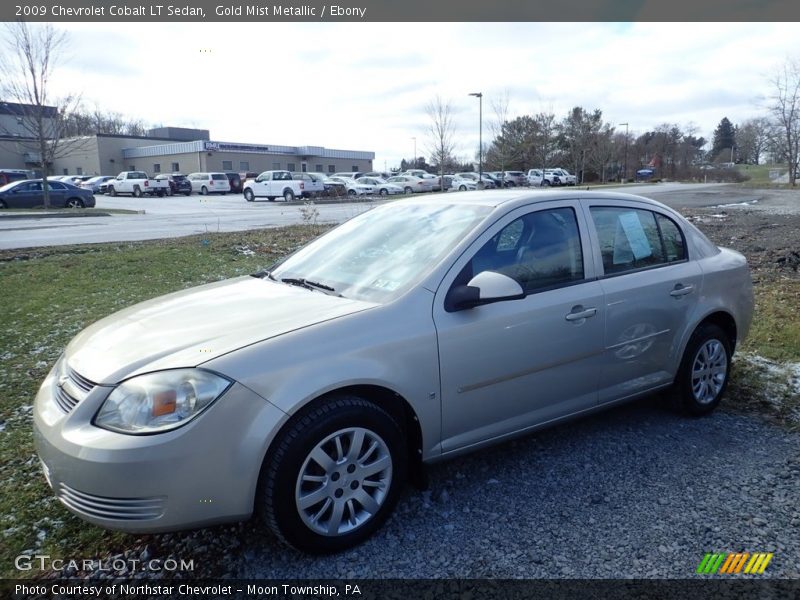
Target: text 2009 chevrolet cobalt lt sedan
{"x":310,"y":393}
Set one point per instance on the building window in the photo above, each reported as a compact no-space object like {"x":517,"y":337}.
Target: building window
{"x":244,"y":165}
{"x":331,"y":168}
{"x":276,"y":166}
{"x":79,"y":171}
{"x":66,"y":171}
{"x":318,"y":168}
{"x":176,"y":167}
{"x":227,"y":165}
{"x":304,"y":167}
{"x":156,"y":167}
{"x":355,"y":168}
{"x":131,"y":167}
{"x":290,"y":167}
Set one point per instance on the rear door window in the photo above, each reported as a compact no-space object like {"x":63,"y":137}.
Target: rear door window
{"x":631,"y":239}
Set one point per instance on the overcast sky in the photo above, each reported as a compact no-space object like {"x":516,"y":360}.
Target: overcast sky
{"x":364,"y":86}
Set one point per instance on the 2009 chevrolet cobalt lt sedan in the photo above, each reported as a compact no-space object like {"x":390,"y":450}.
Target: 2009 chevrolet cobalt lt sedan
{"x":311,"y":392}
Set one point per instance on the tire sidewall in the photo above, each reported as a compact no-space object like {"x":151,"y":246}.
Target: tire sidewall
{"x":683,"y":383}
{"x":283,"y":466}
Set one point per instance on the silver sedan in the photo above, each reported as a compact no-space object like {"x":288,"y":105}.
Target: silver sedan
{"x":313,"y":391}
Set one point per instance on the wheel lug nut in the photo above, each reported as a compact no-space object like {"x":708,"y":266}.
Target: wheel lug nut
{"x":338,"y":493}
{"x":354,"y":485}
{"x":351,"y":468}
{"x":335,"y":477}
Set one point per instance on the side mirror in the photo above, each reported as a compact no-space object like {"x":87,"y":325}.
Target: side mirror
{"x":486,"y":287}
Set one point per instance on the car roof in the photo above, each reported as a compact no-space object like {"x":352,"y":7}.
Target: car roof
{"x":510,"y":199}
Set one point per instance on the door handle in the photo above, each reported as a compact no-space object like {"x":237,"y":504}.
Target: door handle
{"x":681,"y":290}
{"x":579,"y":313}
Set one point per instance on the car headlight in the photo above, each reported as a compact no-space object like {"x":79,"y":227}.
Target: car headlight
{"x":158,"y":402}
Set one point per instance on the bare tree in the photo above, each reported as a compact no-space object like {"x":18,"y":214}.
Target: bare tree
{"x":785,"y":110}
{"x":32,"y":53}
{"x":752,"y":138}
{"x":441,"y":131}
{"x":502,"y":150}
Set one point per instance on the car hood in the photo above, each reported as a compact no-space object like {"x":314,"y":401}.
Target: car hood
{"x":193,"y":326}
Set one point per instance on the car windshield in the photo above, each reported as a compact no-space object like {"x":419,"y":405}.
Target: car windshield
{"x":380,"y":254}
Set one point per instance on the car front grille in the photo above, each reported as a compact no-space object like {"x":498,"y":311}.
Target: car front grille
{"x":71,"y":389}
{"x":117,"y":509}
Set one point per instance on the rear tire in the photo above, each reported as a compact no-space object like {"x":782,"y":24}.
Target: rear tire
{"x":704,"y":371}
{"x":384,"y":192}
{"x":204,"y":191}
{"x":137,"y":192}
{"x":2,"y":204}
{"x":408,"y":190}
{"x":333,"y":475}
{"x":74,"y":203}
{"x":288,"y":195}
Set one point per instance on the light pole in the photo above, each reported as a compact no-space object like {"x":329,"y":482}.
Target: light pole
{"x":479,"y":96}
{"x":625,"y":174}
{"x":415,"y":152}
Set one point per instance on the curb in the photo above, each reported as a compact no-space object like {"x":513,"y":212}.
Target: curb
{"x":69,"y":215}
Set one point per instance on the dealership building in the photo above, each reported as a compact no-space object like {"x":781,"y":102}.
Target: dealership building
{"x":168,"y":150}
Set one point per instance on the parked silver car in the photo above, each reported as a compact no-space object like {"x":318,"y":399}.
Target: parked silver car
{"x":312,"y":392}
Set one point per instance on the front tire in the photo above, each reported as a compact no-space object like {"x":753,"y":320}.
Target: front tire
{"x":408,"y":190}
{"x":384,"y":192}
{"x":249,"y":195}
{"x":462,"y":188}
{"x":111,"y":191}
{"x":333,"y":476}
{"x":704,"y":371}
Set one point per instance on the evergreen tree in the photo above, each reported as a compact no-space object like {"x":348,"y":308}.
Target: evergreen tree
{"x":724,"y":138}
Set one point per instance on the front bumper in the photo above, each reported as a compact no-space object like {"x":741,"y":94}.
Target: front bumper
{"x":202,"y":473}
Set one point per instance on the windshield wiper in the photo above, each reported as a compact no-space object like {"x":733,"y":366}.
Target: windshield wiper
{"x":311,"y":285}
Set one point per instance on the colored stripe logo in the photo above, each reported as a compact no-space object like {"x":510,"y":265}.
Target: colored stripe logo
{"x":734,"y":562}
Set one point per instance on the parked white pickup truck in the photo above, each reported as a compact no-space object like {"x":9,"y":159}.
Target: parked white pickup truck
{"x":274,"y":184}
{"x":136,"y":183}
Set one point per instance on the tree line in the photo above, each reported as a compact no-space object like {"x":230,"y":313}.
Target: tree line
{"x":595,"y":150}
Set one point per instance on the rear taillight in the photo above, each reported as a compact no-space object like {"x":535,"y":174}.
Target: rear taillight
{"x":210,"y":182}
{"x":301,"y":185}
{"x":146,"y":183}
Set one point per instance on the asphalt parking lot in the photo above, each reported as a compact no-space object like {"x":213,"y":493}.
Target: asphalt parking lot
{"x":181,"y":215}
